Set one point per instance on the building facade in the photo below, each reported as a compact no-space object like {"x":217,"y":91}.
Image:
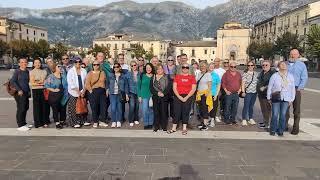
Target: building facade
{"x":15,"y":30}
{"x":198,"y":50}
{"x":296,"y":21}
{"x":124,"y":43}
{"x":233,"y":40}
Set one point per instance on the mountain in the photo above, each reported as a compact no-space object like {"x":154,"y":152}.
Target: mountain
{"x":79,"y":25}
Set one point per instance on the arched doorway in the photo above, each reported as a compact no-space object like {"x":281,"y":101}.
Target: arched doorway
{"x":232,"y":56}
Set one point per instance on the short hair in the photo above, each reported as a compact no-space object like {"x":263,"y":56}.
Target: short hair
{"x":133,"y":61}
{"x":266,"y":61}
{"x":37,"y":59}
{"x":204,"y":63}
{"x":281,"y":62}
{"x":121,"y":54}
{"x":53,"y":67}
{"x":158,"y":65}
{"x":183,"y":55}
{"x":178,"y":56}
{"x":48,"y":58}
{"x":23,"y":58}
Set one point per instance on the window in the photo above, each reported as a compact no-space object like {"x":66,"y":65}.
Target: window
{"x":297,"y":32}
{"x":213,"y":52}
{"x":34,"y":32}
{"x":19,"y":27}
{"x":193,"y":53}
{"x":304,"y":31}
{"x":181,"y":51}
{"x":205,"y":51}
{"x":20,"y":36}
{"x":27,"y":38}
{"x":27,"y":31}
{"x":122,"y":46}
{"x":306,"y":17}
{"x":289,"y":21}
{"x":34,"y":39}
{"x":115,"y":46}
{"x":297,"y":20}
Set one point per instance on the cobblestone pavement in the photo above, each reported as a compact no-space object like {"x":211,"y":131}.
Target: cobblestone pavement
{"x":49,"y":158}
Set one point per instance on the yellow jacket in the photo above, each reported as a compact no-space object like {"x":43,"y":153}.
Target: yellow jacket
{"x":209,"y":100}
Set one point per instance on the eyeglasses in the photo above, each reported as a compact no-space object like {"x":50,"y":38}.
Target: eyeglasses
{"x":250,"y":65}
{"x":134,"y":65}
{"x":265,"y":65}
{"x":233,"y":66}
{"x":78,"y":62}
{"x":96,"y":64}
{"x":185,"y":67}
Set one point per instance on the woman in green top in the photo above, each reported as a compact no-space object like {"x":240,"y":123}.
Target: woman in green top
{"x":144,"y":95}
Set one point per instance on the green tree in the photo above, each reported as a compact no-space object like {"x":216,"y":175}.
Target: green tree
{"x":21,"y":48}
{"x":149,"y":54}
{"x":58,"y":50}
{"x":266,"y":50}
{"x":98,"y":48}
{"x":42,"y":48}
{"x":257,"y":50}
{"x":254,"y":50}
{"x":138,"y":50}
{"x":285,"y":43}
{"x":4,"y":47}
{"x":313,"y":42}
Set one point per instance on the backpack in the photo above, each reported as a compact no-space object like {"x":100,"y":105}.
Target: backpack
{"x":10,"y":88}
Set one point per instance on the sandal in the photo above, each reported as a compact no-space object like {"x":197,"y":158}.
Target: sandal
{"x":171,"y":131}
{"x":184,"y":132}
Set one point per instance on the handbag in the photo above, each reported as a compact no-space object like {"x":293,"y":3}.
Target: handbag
{"x":123,"y":98}
{"x":276,"y":96}
{"x":245,"y":90}
{"x":81,"y":106}
{"x":46,"y":94}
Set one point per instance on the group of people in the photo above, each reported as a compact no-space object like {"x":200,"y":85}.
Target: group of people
{"x":169,"y":91}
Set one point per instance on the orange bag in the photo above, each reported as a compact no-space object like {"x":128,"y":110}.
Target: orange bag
{"x":81,"y":106}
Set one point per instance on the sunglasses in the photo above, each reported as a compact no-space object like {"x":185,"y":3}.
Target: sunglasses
{"x":233,"y":66}
{"x":78,"y":62}
{"x":116,"y":67}
{"x":65,"y":58}
{"x":226,"y":62}
{"x":96,"y":64}
{"x":133,"y":65}
{"x":185,"y":67}
{"x":250,"y":65}
{"x":140,"y":60}
{"x":170,"y":59}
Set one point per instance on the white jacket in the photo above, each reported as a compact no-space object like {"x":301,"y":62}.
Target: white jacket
{"x":72,"y":79}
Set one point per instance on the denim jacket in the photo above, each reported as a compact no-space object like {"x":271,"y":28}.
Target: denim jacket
{"x":132,"y":84}
{"x":122,"y":84}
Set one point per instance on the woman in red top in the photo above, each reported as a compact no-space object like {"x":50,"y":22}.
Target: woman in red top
{"x":184,"y":86}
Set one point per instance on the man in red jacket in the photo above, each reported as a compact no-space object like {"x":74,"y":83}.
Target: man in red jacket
{"x":231,"y":84}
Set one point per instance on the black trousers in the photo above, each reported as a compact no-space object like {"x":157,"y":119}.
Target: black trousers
{"x":213,"y":112}
{"x":296,"y":112}
{"x":107,"y":99}
{"x":58,"y":111}
{"x":203,"y":107}
{"x":22,"y":108}
{"x":171,"y":105}
{"x":46,"y":112}
{"x":160,"y":110}
{"x":98,"y":104}
{"x":182,"y":110}
{"x":38,"y":107}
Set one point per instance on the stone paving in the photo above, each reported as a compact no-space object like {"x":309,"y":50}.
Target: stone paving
{"x":49,"y":158}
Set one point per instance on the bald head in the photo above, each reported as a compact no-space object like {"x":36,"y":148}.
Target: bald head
{"x":294,"y":54}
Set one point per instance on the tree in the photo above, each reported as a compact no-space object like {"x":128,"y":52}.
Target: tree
{"x":98,"y":48}
{"x":138,"y":50}
{"x":42,"y":49}
{"x":258,"y":50}
{"x":254,"y":50}
{"x":313,"y":42}
{"x":4,"y":47}
{"x":285,"y":43}
{"x":59,"y":50}
{"x":21,"y":48}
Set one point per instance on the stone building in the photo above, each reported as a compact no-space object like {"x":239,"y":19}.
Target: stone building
{"x":233,"y":40}
{"x":124,"y":43}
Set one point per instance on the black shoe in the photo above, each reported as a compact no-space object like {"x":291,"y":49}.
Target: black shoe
{"x":280,"y":134}
{"x":155,"y":130}
{"x":234,"y":122}
{"x":204,"y":128}
{"x":272,"y":133}
{"x":59,"y":126}
{"x":295,"y":132}
{"x":200,"y":125}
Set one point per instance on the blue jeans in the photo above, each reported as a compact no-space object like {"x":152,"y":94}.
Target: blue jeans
{"x":278,"y":118}
{"x":116,"y":108}
{"x":147,"y":113}
{"x":231,"y":103}
{"x":133,"y":108}
{"x":249,"y":101}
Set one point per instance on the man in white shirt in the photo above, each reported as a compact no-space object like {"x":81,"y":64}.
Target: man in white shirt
{"x":122,"y":62}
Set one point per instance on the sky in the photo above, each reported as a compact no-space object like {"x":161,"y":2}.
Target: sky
{"x":47,"y":4}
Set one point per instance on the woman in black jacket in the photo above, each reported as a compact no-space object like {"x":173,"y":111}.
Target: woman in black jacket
{"x":160,"y":87}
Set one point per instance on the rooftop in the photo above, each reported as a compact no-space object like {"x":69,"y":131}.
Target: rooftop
{"x":26,"y":24}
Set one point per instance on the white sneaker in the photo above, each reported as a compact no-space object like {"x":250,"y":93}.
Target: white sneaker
{"x":252,"y":122}
{"x":131,"y":124}
{"x":23,"y":128}
{"x":95,"y":125}
{"x":103,"y":124}
{"x":87,"y":124}
{"x":136,"y":122}
{"x":212,"y":123}
{"x":29,"y":126}
{"x":244,"y":123}
{"x":77,"y":126}
{"x":118,"y":124}
{"x":218,"y":119}
{"x":114,"y":124}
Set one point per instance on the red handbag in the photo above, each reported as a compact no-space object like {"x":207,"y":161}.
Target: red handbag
{"x":81,"y":106}
{"x":46,"y":94}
